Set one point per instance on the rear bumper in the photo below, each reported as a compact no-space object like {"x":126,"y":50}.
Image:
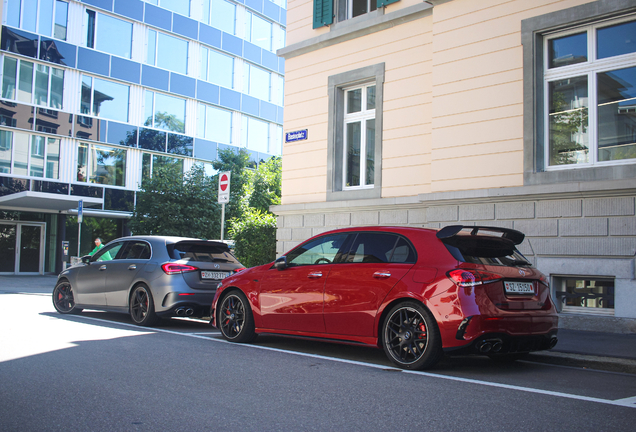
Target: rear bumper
{"x":506,"y":333}
{"x":502,"y":343}
{"x":186,"y":304}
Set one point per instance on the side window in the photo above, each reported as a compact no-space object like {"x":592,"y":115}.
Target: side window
{"x":403,"y":252}
{"x":323,"y":250}
{"x":109,"y":252}
{"x":372,"y":248}
{"x":136,"y":250}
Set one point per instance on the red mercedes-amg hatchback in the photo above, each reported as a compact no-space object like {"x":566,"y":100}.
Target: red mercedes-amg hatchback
{"x":416,"y":292}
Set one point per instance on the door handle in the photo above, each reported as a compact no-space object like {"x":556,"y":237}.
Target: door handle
{"x":381,"y":275}
{"x":102,"y":268}
{"x":314,"y":275}
{"x":132,"y":267}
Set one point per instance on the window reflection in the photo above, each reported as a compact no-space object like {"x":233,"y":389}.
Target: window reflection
{"x":26,"y":154}
{"x":164,"y":112}
{"x":150,"y":163}
{"x":103,"y":98}
{"x":568,"y":121}
{"x":108,"y":34}
{"x":616,"y":40}
{"x":167,"y":52}
{"x":214,"y":124}
{"x":34,"y":83}
{"x":51,"y":16}
{"x":255,"y":134}
{"x":101,"y":164}
{"x":220,"y":14}
{"x":257,"y":82}
{"x":567,"y":50}
{"x":617,"y":114}
{"x":181,"y":7}
{"x":258,"y":31}
{"x":217,"y":68}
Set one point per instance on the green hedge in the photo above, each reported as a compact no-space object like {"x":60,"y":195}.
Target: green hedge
{"x":255,"y":238}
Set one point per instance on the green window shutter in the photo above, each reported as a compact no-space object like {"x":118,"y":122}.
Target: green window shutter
{"x":382,"y":3}
{"x":323,"y":13}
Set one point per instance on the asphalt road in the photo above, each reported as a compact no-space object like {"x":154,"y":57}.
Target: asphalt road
{"x":96,"y":371}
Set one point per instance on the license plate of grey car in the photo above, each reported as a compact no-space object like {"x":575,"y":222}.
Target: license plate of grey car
{"x":519,"y":288}
{"x":214,"y":275}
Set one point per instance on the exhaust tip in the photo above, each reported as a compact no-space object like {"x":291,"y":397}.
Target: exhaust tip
{"x":485,"y":347}
{"x":553,"y":341}
{"x":189,"y":312}
{"x":180,"y":312}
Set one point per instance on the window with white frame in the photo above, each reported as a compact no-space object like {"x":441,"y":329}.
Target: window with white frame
{"x":217,"y":68}
{"x":255,"y":134}
{"x":590,"y":95}
{"x":151,"y":162}
{"x":24,"y":154}
{"x":360,"y":7}
{"x":108,"y":34}
{"x":359,"y":137}
{"x":220,"y":14}
{"x":164,"y":112}
{"x":167,"y":52}
{"x":258,"y":30}
{"x":214,"y":124}
{"x":181,"y":7}
{"x":101,"y":164}
{"x":256,"y":82}
{"x":45,"y":17}
{"x":106,"y":99}
{"x":32,"y":83}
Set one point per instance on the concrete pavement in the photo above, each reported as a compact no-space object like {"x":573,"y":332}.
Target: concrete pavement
{"x":594,"y":350}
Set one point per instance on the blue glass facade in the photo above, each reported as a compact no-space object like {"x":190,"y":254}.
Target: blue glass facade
{"x":65,"y":84}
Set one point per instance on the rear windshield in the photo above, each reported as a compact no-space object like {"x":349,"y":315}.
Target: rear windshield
{"x":201,"y":251}
{"x":488,"y":250}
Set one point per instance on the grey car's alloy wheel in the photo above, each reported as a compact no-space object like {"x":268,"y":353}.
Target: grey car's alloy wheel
{"x":63,"y":299}
{"x":235,"y":319}
{"x":142,"y":306}
{"x":410,"y":336}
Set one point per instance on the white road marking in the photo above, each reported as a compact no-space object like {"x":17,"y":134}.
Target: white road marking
{"x":627,"y":402}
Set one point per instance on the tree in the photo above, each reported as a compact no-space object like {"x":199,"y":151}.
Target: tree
{"x":171,"y":204}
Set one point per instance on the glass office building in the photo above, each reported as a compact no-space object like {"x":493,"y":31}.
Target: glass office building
{"x":96,"y":94}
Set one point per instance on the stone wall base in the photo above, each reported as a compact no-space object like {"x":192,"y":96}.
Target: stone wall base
{"x":597,"y":323}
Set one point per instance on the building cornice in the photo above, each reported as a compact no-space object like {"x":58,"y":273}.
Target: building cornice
{"x":357,"y":27}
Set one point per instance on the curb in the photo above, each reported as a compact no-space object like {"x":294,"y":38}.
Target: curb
{"x":609,"y":364}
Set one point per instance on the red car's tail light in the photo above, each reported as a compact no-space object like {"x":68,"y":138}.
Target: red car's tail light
{"x":469,"y":278}
{"x":173,"y":268}
{"x":238,"y":269}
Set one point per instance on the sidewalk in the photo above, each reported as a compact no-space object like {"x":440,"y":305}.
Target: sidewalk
{"x":594,"y":350}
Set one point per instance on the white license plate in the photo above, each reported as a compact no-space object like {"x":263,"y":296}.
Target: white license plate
{"x":214,"y":275}
{"x":519,"y":287}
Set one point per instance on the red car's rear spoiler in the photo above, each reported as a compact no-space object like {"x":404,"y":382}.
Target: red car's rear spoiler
{"x":514,"y":236}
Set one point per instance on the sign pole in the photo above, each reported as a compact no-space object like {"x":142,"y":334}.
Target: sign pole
{"x":224,"y":196}
{"x":80,"y":217}
{"x":222,"y":219}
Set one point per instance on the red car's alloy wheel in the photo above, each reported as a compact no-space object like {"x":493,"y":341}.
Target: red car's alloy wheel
{"x":410,"y":337}
{"x":235,"y":318}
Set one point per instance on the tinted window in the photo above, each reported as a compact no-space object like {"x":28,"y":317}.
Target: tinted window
{"x":136,"y":250}
{"x":323,"y":250}
{"x":108,"y":253}
{"x":201,"y":251}
{"x":485,"y":250}
{"x":380,"y":248}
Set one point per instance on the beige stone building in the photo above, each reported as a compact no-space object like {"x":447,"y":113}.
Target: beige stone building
{"x":514,"y":113}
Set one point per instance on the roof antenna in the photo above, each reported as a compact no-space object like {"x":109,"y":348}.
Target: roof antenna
{"x":474,"y":231}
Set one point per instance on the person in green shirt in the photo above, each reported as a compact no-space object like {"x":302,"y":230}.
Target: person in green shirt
{"x":98,"y":246}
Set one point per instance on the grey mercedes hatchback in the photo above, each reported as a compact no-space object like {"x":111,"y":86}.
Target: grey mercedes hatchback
{"x":148,"y":277}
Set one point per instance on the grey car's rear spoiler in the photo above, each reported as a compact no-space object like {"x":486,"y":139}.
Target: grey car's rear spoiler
{"x":514,"y":236}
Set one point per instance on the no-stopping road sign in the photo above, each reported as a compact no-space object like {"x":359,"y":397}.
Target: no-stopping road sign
{"x":224,"y":187}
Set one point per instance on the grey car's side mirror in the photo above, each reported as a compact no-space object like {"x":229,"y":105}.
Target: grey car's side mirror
{"x":86,"y":259}
{"x":281,"y":263}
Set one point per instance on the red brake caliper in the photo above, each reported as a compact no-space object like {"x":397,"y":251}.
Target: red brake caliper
{"x":423,"y":330}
